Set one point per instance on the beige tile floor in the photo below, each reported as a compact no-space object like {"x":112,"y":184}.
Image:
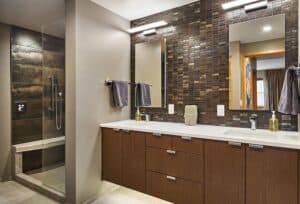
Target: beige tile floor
{"x":14,"y":193}
{"x":114,"y":194}
{"x":53,"y":177}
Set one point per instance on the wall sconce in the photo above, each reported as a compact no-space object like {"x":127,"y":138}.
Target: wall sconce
{"x":250,"y":5}
{"x":255,"y":6}
{"x":149,"y":32}
{"x":148,"y":27}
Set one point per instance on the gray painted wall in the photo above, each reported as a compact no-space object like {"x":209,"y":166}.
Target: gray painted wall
{"x":5,"y":109}
{"x":99,"y":48}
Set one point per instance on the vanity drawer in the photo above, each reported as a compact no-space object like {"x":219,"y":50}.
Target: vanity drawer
{"x":188,"y":144}
{"x":178,"y":191}
{"x":159,"y":140}
{"x":178,"y":164}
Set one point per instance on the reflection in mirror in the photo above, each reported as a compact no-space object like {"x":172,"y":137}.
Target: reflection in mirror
{"x":150,"y":68}
{"x":256,"y":63}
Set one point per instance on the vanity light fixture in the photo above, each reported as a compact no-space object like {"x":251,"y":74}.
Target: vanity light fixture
{"x":237,"y":3}
{"x":147,"y":26}
{"x":255,"y":6}
{"x":149,"y":32}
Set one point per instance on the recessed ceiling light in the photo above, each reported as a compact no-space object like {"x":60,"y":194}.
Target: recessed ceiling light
{"x":237,"y":3}
{"x":267,"y":28}
{"x":258,"y":5}
{"x":148,"y":26}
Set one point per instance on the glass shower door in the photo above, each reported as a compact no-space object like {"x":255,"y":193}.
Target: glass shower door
{"x":53,"y":157}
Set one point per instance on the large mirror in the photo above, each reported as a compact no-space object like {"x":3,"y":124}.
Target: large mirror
{"x":150,"y":68}
{"x":256,"y":63}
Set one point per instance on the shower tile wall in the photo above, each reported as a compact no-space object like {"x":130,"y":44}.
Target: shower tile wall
{"x":34,"y":57}
{"x":197,"y":56}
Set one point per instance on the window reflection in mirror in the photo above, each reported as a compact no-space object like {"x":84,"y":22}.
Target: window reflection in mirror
{"x":256,"y":63}
{"x":150,"y":68}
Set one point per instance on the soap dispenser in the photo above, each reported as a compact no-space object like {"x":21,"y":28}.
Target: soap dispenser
{"x":274,"y":123}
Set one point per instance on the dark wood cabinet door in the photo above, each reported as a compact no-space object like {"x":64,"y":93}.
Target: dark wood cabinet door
{"x":111,"y":155}
{"x":224,"y":173}
{"x":272,"y":176}
{"x":134,"y":160}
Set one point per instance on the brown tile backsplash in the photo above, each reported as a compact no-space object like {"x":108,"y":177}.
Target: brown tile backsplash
{"x":197,"y":59}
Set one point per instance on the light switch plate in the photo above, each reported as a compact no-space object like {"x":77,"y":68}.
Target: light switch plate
{"x":171,"y":109}
{"x":220,"y":110}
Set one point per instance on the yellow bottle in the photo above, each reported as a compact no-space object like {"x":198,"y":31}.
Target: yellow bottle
{"x":138,"y":116}
{"x":274,"y":123}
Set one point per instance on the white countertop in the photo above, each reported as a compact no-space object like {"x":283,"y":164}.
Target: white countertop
{"x":282,"y":139}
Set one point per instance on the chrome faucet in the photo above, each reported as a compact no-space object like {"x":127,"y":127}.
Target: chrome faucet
{"x":253,"y":121}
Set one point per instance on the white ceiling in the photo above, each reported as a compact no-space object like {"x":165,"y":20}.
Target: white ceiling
{"x":135,"y":9}
{"x":251,"y":31}
{"x":46,"y":16}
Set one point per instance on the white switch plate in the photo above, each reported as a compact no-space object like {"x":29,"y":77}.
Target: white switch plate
{"x":171,"y":109}
{"x":220,"y":110}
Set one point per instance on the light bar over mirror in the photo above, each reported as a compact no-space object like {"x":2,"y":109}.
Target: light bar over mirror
{"x":148,"y":26}
{"x":237,"y":3}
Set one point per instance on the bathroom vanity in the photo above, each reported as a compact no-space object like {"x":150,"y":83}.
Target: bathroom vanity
{"x":202,"y":164}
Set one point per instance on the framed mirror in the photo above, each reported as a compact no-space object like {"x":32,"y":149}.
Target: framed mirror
{"x":256,"y":63}
{"x":150,"y":68}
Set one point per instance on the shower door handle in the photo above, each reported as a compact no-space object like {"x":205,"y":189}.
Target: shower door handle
{"x":52,"y":102}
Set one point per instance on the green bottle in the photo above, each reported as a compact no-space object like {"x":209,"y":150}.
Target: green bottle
{"x":274,"y":123}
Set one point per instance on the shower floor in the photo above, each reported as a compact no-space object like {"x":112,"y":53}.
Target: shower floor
{"x":53,"y":177}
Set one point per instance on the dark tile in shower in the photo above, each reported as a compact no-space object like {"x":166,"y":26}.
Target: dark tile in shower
{"x":55,"y":44}
{"x":32,"y":160}
{"x":26,"y":74}
{"x":54,"y":59}
{"x":28,"y":38}
{"x":26,"y":55}
{"x":26,"y":130}
{"x":59,"y":73}
{"x":34,"y":110}
{"x":26,"y":92}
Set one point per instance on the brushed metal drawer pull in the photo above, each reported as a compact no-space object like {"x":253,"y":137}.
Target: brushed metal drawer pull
{"x":186,"y":138}
{"x":256,"y":146}
{"x":116,"y":130}
{"x":171,"y":151}
{"x":172,"y":178}
{"x":236,"y":144}
{"x":126,"y":131}
{"x":157,"y":134}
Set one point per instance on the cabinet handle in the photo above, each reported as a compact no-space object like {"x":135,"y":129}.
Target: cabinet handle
{"x":116,"y":130}
{"x":171,"y":152}
{"x":256,"y":146}
{"x":126,"y":131}
{"x":236,"y":144}
{"x":172,"y":178}
{"x":157,"y":134}
{"x":186,"y":138}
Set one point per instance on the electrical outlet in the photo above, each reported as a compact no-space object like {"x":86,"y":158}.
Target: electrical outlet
{"x":171,"y":109}
{"x":220,"y":110}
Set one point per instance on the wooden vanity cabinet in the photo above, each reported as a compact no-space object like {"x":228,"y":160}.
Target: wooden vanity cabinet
{"x":224,"y":173}
{"x":133,"y":160}
{"x":112,"y":155}
{"x":195,"y":171}
{"x":123,"y":158}
{"x":272,"y":175}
